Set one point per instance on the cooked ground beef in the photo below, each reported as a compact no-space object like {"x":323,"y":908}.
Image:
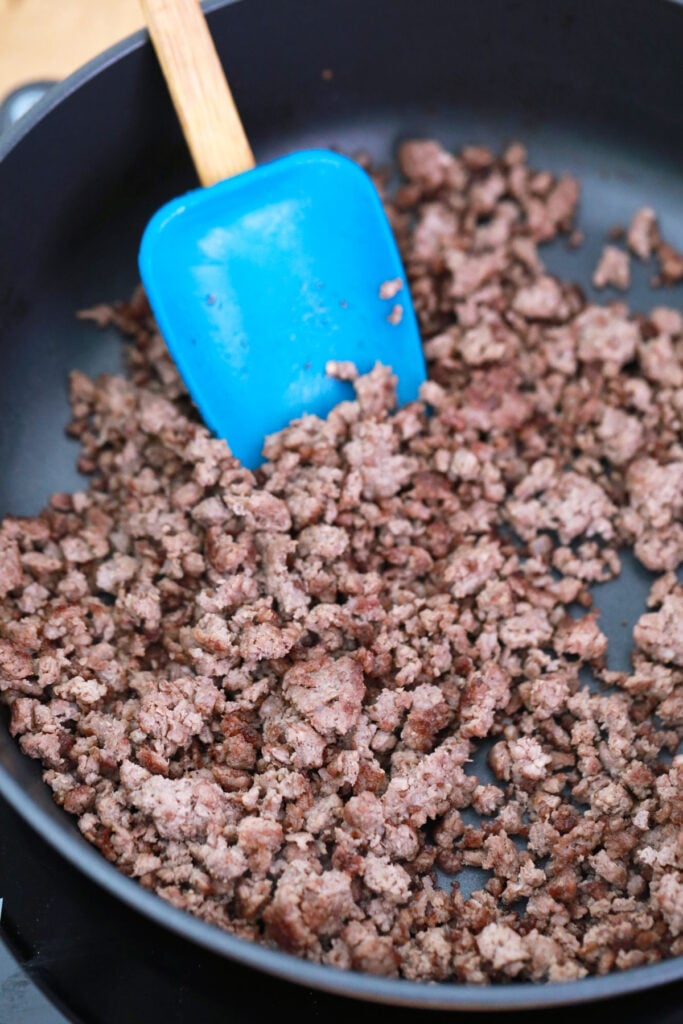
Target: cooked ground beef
{"x":613,"y":269}
{"x":644,"y":240}
{"x":261,"y":693}
{"x":643,"y":233}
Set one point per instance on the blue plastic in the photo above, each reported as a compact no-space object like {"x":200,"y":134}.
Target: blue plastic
{"x":258,"y":281}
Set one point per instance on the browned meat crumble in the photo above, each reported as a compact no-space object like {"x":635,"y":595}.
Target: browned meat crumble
{"x":261,"y":693}
{"x":613,"y":269}
{"x":645,"y":241}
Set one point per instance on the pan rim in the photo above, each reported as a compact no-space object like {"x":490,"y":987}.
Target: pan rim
{"x":355,"y":985}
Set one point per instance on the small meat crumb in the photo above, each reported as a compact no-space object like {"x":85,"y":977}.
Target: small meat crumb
{"x":390,"y":289}
{"x":341,"y":369}
{"x":643,"y":233}
{"x":670,"y":262}
{"x":613,"y":269}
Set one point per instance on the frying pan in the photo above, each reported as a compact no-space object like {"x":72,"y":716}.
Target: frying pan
{"x":595,"y":89}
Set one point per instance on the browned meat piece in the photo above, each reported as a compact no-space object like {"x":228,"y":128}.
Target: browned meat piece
{"x":643,"y":233}
{"x":613,"y":269}
{"x":327,"y":692}
{"x":660,"y":634}
{"x":670,"y":262}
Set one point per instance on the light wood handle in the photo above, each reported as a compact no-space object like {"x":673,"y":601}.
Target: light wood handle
{"x":199,"y":89}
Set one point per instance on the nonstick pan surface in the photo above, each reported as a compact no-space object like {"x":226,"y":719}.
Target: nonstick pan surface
{"x":592,"y":89}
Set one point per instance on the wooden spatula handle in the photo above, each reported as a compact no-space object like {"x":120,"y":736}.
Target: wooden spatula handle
{"x":199,"y":89}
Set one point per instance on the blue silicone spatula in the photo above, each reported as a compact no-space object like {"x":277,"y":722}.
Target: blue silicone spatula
{"x":264,"y":274}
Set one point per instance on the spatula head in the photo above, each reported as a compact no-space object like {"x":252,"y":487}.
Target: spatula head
{"x":258,"y":281}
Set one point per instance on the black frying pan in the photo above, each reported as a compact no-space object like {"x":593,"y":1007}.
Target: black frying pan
{"x":595,"y":88}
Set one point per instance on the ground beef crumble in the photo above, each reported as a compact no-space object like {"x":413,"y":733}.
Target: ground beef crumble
{"x":261,"y":693}
{"x":613,"y":269}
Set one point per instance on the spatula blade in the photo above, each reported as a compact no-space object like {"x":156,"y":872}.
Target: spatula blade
{"x":258,"y":281}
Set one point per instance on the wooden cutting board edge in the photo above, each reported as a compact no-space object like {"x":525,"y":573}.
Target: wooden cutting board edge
{"x":49,"y":39}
